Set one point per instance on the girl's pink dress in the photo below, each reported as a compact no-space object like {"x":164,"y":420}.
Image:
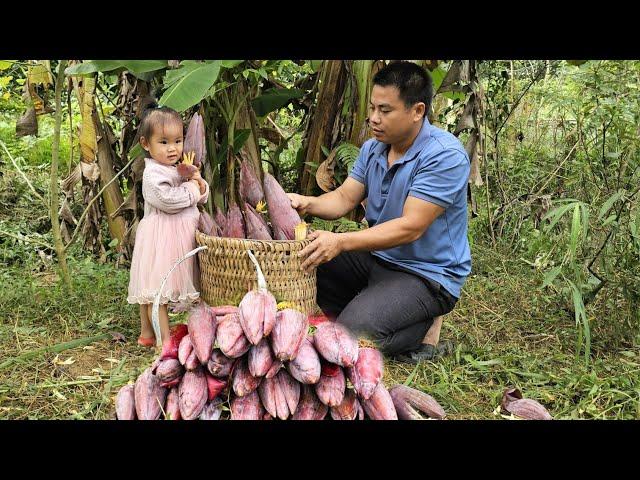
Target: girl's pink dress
{"x":164,"y":235}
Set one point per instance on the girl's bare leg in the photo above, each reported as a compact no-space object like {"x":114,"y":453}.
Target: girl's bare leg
{"x":164,"y":320}
{"x":146,"y":329}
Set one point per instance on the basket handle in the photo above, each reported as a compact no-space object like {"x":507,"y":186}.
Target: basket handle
{"x":155,"y":320}
{"x":262,"y":283}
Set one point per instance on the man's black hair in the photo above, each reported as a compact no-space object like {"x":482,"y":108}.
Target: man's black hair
{"x":413,"y":82}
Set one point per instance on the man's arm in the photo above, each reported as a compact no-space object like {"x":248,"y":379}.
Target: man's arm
{"x":332,"y":205}
{"x":417,"y":216}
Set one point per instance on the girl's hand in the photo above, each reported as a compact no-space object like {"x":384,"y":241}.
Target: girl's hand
{"x":196,"y":176}
{"x":199,"y":182}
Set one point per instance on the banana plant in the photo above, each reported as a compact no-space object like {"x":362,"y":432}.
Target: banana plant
{"x":330,"y":89}
{"x":352,"y":129}
{"x":229,"y":96}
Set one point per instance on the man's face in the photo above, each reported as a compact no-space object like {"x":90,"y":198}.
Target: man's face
{"x":165,"y":144}
{"x":390,"y":120}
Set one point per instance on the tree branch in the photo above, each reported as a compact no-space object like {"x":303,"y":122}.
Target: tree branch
{"x":23,"y":175}
{"x":27,"y":239}
{"x":591,"y":294}
{"x":515,"y":105}
{"x":541,"y":189}
{"x":606,"y":240}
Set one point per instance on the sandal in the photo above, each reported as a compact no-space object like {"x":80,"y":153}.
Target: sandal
{"x":146,"y":341}
{"x":427,"y":352}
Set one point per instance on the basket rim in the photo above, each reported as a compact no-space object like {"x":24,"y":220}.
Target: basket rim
{"x":212,"y":238}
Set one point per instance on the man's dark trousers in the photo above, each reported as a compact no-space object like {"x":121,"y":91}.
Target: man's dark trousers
{"x":380,"y":301}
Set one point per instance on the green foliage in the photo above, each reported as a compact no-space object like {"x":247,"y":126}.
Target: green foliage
{"x":563,"y":172}
{"x":338,"y":226}
{"x":346,"y":156}
{"x":437,"y":76}
{"x":314,"y":65}
{"x":230,"y":63}
{"x":134,"y":66}
{"x":12,"y":78}
{"x":528,"y":316}
{"x":188,"y":85}
{"x":274,"y":99}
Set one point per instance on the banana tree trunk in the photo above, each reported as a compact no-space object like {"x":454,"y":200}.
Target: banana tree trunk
{"x":97,"y":168}
{"x":85,"y":91}
{"x":210,"y":169}
{"x":246,"y":119}
{"x":230,"y":163}
{"x":131,"y":91}
{"x":349,"y":108}
{"x":55,"y":149}
{"x":235,"y":107}
{"x":112,"y":196}
{"x":330,"y":91}
{"x":462,"y":76}
{"x":363,"y":72}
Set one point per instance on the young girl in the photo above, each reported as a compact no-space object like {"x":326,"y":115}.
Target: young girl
{"x":167,"y":231}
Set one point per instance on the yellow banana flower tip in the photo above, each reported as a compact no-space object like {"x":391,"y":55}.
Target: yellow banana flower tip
{"x":284,"y":305}
{"x":261,"y":207}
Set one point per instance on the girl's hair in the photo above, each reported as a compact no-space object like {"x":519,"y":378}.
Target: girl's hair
{"x":154,"y":117}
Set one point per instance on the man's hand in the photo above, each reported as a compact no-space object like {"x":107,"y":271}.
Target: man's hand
{"x":299,"y":202}
{"x":324,"y":247}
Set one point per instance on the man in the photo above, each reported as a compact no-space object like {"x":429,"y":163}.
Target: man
{"x":390,"y":281}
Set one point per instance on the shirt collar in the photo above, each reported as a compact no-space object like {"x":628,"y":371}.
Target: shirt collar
{"x":415,"y":148}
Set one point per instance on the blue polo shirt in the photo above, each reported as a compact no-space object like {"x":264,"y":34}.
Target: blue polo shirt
{"x":436,"y":169}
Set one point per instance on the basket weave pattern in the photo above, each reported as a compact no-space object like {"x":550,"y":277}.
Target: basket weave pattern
{"x":227,"y":274}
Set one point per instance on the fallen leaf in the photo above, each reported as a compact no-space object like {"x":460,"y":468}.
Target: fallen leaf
{"x":118,"y":337}
{"x":59,"y":395}
{"x":68,"y":361}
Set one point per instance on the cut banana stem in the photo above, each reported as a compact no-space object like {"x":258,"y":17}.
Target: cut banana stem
{"x":301,"y":231}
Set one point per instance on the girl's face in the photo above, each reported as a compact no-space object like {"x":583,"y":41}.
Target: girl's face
{"x":165,"y":145}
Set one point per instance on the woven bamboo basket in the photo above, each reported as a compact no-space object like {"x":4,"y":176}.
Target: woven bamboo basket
{"x":227,"y":274}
